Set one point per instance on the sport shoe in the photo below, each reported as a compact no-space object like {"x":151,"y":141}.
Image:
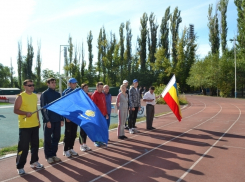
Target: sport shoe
{"x":36,"y":165}
{"x":135,"y":130}
{"x":72,"y":152}
{"x":56,"y":159}
{"x":50,"y":160}
{"x":21,"y":171}
{"x":125,"y":137}
{"x":67,"y":153}
{"x":131,"y":131}
{"x":97,"y":144}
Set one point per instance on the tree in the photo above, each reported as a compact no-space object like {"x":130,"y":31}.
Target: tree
{"x":99,"y":62}
{"x":128,"y":47}
{"x":11,"y":74}
{"x":142,"y":41}
{"x":121,"y":50}
{"x":19,"y":63}
{"x":27,"y":64}
{"x":152,"y":38}
{"x":213,"y":25}
{"x":222,"y":6}
{"x":4,"y":76}
{"x":164,"y":33}
{"x":38,"y":66}
{"x":83,"y":65}
{"x":175,"y":21}
{"x":90,"y":57}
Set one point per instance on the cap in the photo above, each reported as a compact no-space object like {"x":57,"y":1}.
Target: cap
{"x":125,"y":81}
{"x":72,"y":80}
{"x":135,"y":80}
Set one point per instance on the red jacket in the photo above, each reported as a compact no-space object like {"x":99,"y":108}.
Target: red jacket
{"x":100,"y":102}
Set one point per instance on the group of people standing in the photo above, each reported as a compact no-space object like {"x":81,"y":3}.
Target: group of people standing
{"x":128,"y":103}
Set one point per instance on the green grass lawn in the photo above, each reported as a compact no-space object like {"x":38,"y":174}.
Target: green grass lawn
{"x":4,"y":103}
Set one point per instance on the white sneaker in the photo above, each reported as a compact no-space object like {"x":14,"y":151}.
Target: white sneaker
{"x":50,"y":160}
{"x":67,"y":153}
{"x":131,"y":131}
{"x":84,"y":148}
{"x":87,"y":148}
{"x":56,"y":159}
{"x":36,"y":165}
{"x":135,"y":130}
{"x":72,"y":152}
{"x":21,"y":171}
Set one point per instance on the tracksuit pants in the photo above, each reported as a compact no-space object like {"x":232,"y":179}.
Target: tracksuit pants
{"x":27,"y":136}
{"x":51,"y":139}
{"x":122,"y":116}
{"x":83,"y":136}
{"x":70,"y":135}
{"x":150,"y":110}
{"x":132,"y":117}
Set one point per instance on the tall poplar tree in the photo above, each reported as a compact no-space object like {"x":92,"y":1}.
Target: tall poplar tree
{"x":142,"y":41}
{"x":19,"y":63}
{"x":128,"y":47}
{"x":90,"y":58}
{"x":38,"y":66}
{"x":121,"y":50}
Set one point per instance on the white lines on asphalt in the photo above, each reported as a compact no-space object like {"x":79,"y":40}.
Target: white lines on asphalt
{"x":234,"y":147}
{"x":182,"y":177}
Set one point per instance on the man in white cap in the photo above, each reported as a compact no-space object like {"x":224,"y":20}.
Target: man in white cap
{"x":125,"y":82}
{"x":70,"y":127}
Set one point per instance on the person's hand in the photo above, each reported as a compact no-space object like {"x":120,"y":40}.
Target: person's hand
{"x":107,"y":117}
{"x":49,"y":124}
{"x":67,"y":120}
{"x":133,"y":109}
{"x":28,"y":114}
{"x":62,"y":123}
{"x":39,"y":125}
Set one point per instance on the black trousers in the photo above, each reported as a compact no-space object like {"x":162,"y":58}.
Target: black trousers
{"x":150,"y":110}
{"x":70,"y":135}
{"x":132,"y":117}
{"x":51,"y":139}
{"x":83,"y":136}
{"x":27,"y":136}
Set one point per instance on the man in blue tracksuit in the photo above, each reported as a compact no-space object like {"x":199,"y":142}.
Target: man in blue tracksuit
{"x":52,"y":122}
{"x":70,"y":127}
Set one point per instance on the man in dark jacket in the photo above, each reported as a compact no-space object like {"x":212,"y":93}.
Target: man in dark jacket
{"x":51,"y":122}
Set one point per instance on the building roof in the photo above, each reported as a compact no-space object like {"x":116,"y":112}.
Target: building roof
{"x":9,"y":89}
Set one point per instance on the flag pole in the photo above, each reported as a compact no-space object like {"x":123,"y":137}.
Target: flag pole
{"x":34,"y":112}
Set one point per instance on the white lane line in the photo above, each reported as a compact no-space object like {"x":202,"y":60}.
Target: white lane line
{"x":182,"y":177}
{"x":108,"y":146}
{"x":105,"y":174}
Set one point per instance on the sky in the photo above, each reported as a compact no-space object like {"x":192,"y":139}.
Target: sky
{"x":51,"y":23}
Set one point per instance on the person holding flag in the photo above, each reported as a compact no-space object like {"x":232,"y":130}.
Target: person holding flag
{"x":150,"y":100}
{"x":52,"y":123}
{"x":70,"y":127}
{"x":24,"y":106}
{"x":170,"y":95}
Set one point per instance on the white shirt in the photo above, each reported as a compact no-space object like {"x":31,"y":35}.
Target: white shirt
{"x":149,"y":96}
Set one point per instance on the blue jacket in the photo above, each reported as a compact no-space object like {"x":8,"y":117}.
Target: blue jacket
{"x":108,"y":102}
{"x":66,"y":91}
{"x":47,"y":97}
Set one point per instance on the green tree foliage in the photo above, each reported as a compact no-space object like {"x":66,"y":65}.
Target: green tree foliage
{"x":223,"y":9}
{"x":11,"y":74}
{"x":47,"y":73}
{"x":175,"y":20}
{"x":38,"y":67}
{"x":128,"y":51}
{"x":152,"y":39}
{"x":99,"y":46}
{"x":5,"y":76}
{"x":142,"y":40}
{"x":164,"y":33}
{"x":28,"y":61}
{"x":19,"y":63}
{"x":213,"y":25}
{"x":121,"y":34}
{"x":83,"y":65}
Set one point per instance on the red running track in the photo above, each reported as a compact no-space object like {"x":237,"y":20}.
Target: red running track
{"x":207,"y":145}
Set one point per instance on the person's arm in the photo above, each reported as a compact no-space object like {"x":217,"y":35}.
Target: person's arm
{"x":17,"y":105}
{"x":146,"y":99}
{"x":43,"y":102}
{"x":38,"y":118}
{"x":131,"y":99}
{"x":118,"y":101}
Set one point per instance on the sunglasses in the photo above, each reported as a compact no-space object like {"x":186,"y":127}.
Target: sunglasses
{"x":30,"y":85}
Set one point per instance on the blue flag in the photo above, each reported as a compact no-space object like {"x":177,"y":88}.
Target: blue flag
{"x":80,"y":109}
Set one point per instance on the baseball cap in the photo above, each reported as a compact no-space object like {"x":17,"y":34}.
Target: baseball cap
{"x":135,"y":80}
{"x":72,"y":80}
{"x":125,"y":81}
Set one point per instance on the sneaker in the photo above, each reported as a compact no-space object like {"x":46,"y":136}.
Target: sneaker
{"x":135,"y":130}
{"x":72,"y":152}
{"x":153,"y":128}
{"x":67,"y":153}
{"x":101,"y":143}
{"x":126,"y":127}
{"x":131,"y":131}
{"x":50,"y":160}
{"x":121,"y":137}
{"x":36,"y":165}
{"x":86,"y":147}
{"x":97,"y":144}
{"x":124,"y":137}
{"x":56,"y":159}
{"x":21,"y":171}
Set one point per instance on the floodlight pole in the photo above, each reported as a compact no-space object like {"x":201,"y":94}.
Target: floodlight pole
{"x":60,"y":83}
{"x":235,"y":65}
